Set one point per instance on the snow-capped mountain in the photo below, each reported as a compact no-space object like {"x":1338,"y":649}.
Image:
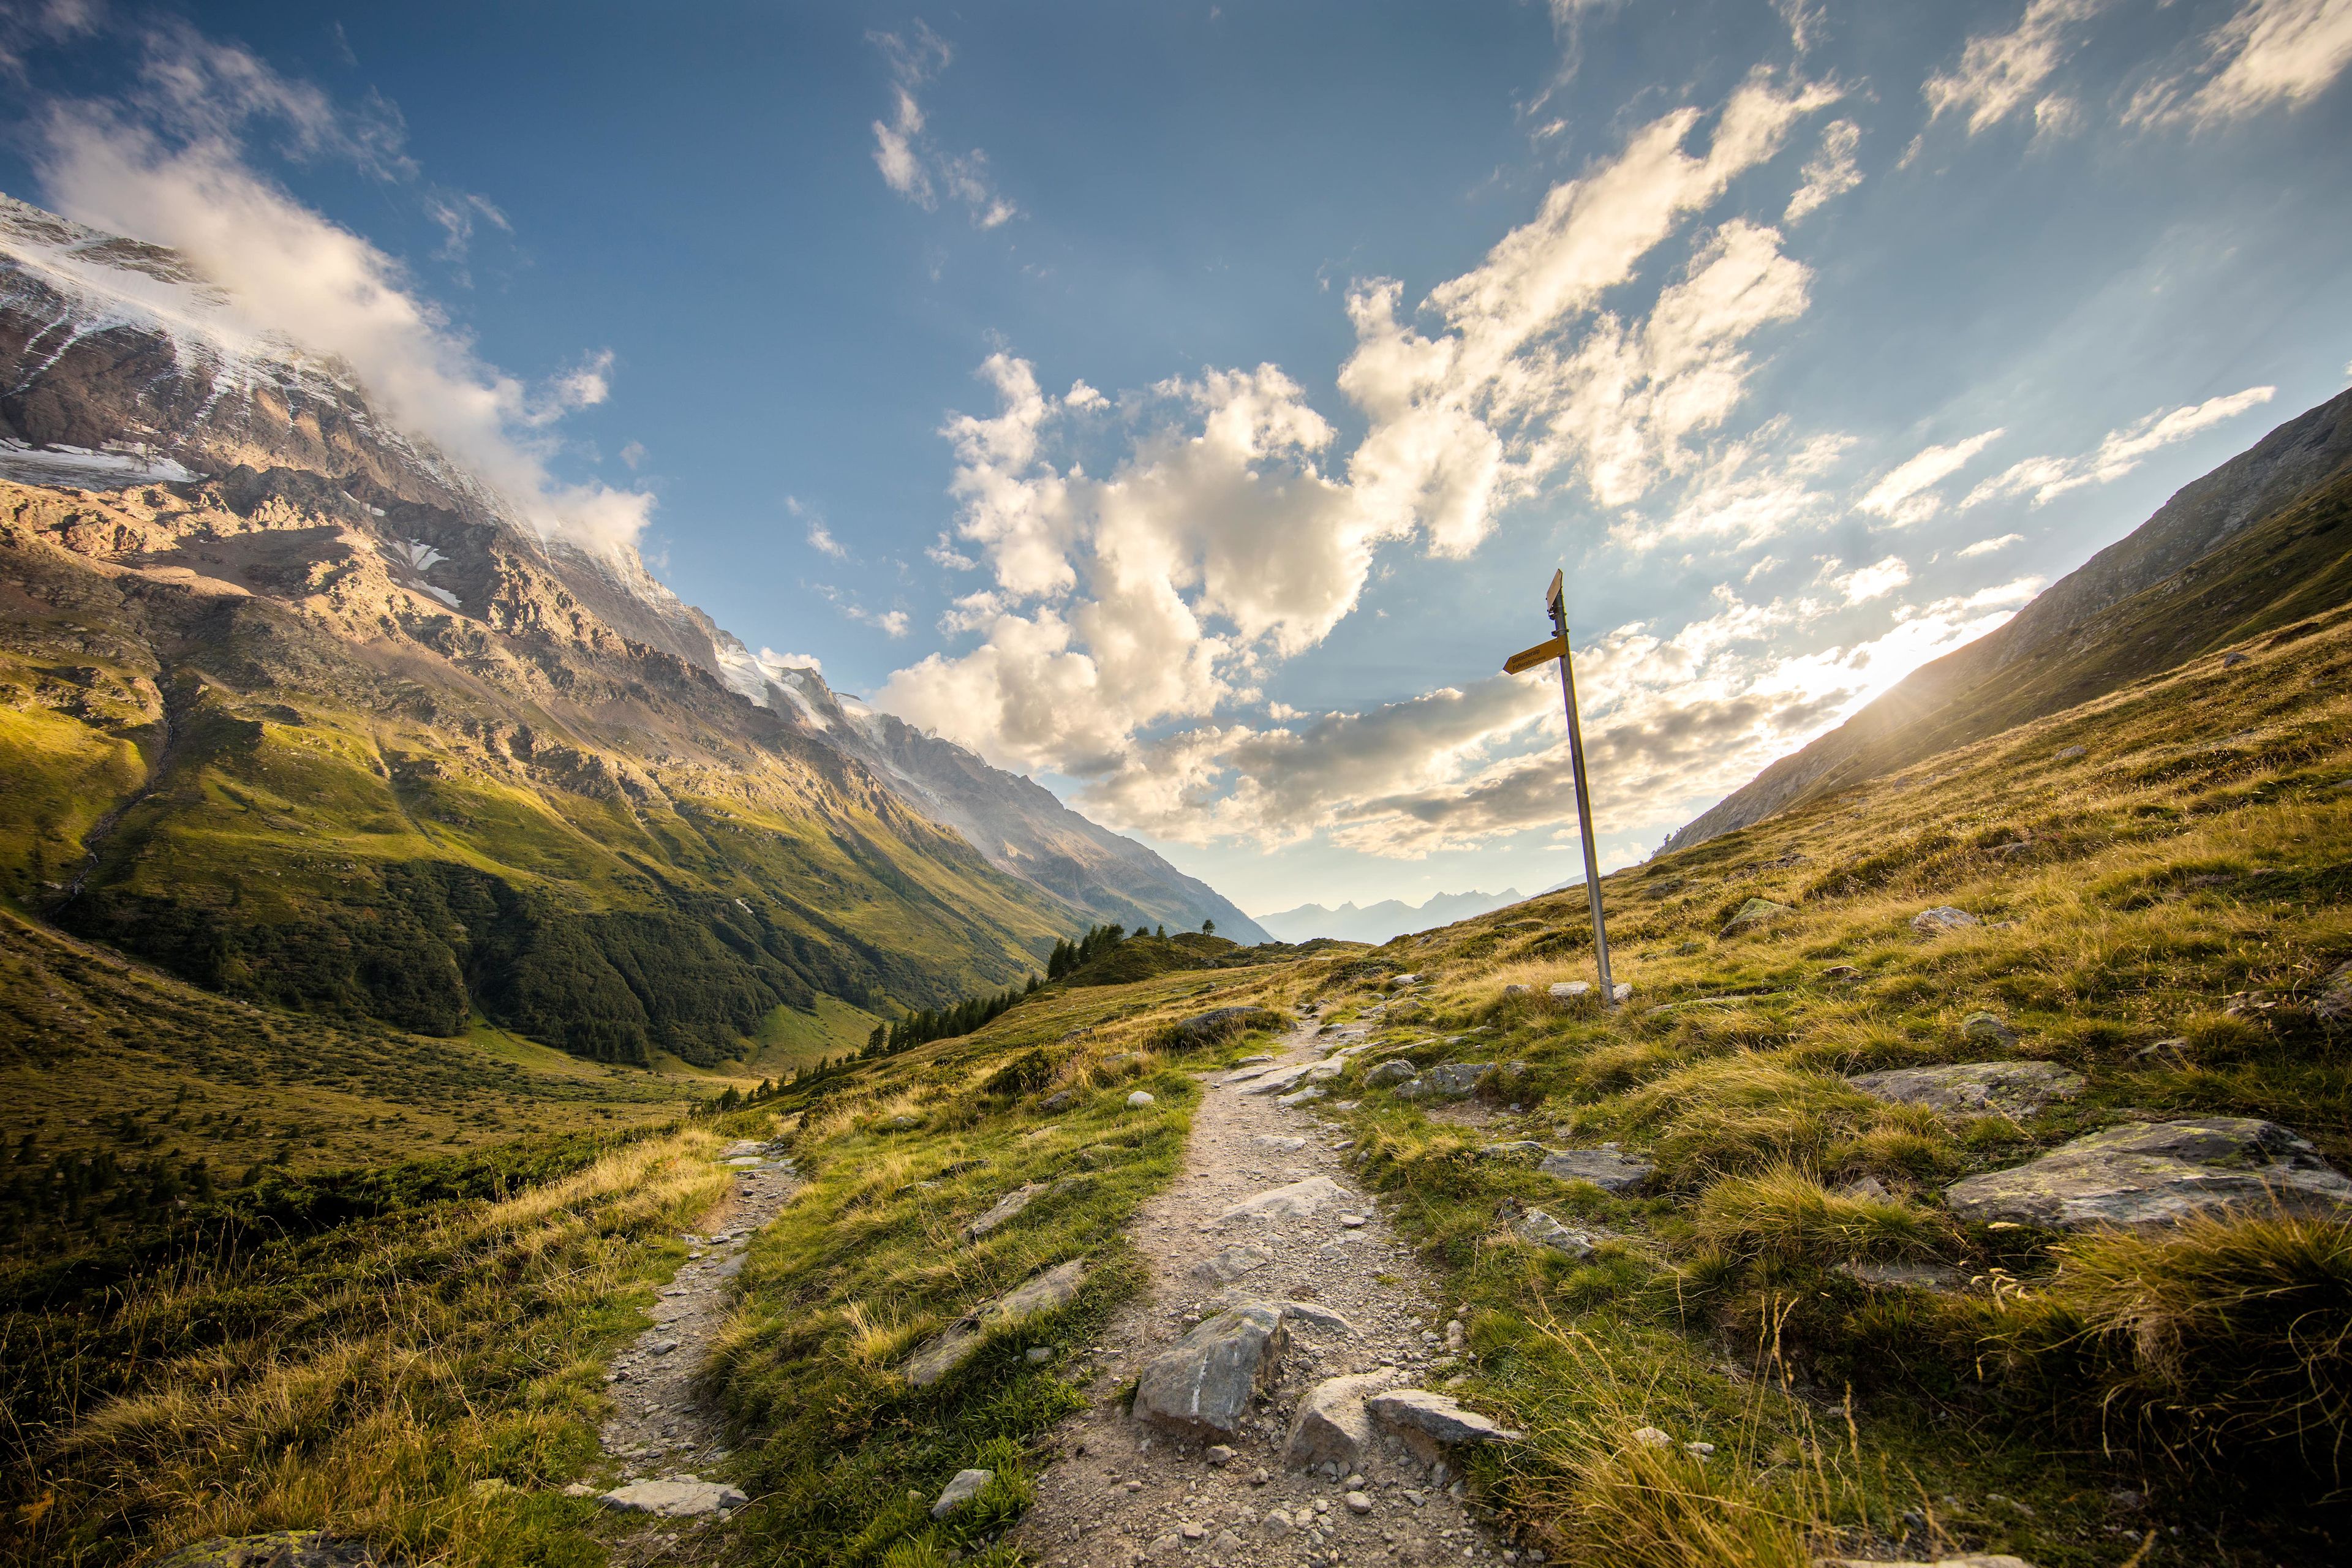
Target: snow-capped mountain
{"x":124,"y":366}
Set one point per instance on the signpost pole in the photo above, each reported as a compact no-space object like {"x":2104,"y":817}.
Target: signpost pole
{"x":1554,"y":601}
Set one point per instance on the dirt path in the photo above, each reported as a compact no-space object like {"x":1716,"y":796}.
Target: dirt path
{"x":658,"y":1427}
{"x":1122,"y":1493}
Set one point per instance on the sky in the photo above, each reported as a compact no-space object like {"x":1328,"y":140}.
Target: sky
{"x":1186,"y":405}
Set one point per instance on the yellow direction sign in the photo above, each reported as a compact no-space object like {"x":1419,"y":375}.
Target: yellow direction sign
{"x":1527,"y":659}
{"x":1556,"y":606}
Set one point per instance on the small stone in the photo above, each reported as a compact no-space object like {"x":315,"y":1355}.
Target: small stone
{"x":1139,"y":1099}
{"x":2334,"y":1004}
{"x":1571,"y":989}
{"x":579,"y":1489}
{"x":1397,"y":1070}
{"x":1518,"y":990}
{"x":1191,"y":1532}
{"x":960,"y":1491}
{"x":1351,"y":1221}
{"x":1061,"y":1098}
{"x":1941,"y":918}
{"x":1005,"y":1207}
{"x":1037,"y":1355}
{"x":2068,"y":754}
{"x":1360,"y":1502}
{"x":1221,"y":1454}
{"x":490,"y":1486}
{"x":1651,"y":1437}
{"x":1279,"y":1523}
{"x":1988,"y":1026}
{"x":1753,"y":915}
{"x":1536,"y":1227}
{"x":1260,"y":1476}
{"x":1226,"y":1541}
{"x":1698,"y":1450}
{"x":661,"y":1347}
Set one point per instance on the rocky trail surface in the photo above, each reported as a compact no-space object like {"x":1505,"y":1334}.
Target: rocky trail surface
{"x":660,"y":1430}
{"x":1277,"y":1350}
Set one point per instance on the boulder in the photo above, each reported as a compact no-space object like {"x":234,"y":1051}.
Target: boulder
{"x":1604,"y":1168}
{"x":960,"y":1340}
{"x":1332,"y":1425}
{"x":2141,"y":1175}
{"x":1430,"y":1423}
{"x":1004,"y":1209}
{"x":1299,"y":1200}
{"x":1204,"y":1383}
{"x":1395,"y":1070}
{"x":1535,"y":1226}
{"x":1448,"y":1081}
{"x":1941,"y":918}
{"x":674,"y":1496}
{"x":960,"y":1491}
{"x":1753,"y":915}
{"x":2017,"y":1090}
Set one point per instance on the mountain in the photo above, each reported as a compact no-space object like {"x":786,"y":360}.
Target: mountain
{"x":293,"y":706}
{"x":1378,"y":923}
{"x":2248,"y":549}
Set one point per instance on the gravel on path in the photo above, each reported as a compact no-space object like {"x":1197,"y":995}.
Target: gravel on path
{"x":1121,"y":1493}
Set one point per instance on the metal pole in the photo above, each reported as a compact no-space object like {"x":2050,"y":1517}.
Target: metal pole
{"x":1559,"y":608}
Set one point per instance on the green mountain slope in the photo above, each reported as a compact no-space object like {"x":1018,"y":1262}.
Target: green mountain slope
{"x":247,"y":748}
{"x":2246,"y":548}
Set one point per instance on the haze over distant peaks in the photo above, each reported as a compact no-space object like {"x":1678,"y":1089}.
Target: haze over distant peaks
{"x":1378,"y":923}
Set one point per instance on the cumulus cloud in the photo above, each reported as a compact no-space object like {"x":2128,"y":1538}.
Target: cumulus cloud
{"x":1907,"y":494}
{"x":1866,"y":582}
{"x":1830,"y":172}
{"x":2270,"y":54}
{"x":2046,"y":479}
{"x":911,"y":163}
{"x":1750,"y":490}
{"x":167,"y":162}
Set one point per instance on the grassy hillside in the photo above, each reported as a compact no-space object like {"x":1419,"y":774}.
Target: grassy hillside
{"x":329,"y":794}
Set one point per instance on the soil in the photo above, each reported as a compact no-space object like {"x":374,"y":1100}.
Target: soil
{"x":660,"y":1424}
{"x":1122,"y":1493}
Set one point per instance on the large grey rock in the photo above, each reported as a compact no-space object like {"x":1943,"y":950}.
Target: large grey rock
{"x":1332,"y":1425}
{"x":960,"y":1340}
{"x":959,"y":1492}
{"x":1449,"y":1080}
{"x":1204,"y":1382}
{"x":1604,"y":1168}
{"x":1941,"y":918}
{"x":1299,"y":1200}
{"x":2017,"y":1090}
{"x":674,"y":1496}
{"x":1397,"y":1070}
{"x":2141,"y":1175}
{"x":1004,"y":1209}
{"x":1430,"y":1423}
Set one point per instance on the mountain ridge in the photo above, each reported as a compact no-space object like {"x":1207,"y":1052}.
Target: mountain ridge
{"x":1378,"y":923}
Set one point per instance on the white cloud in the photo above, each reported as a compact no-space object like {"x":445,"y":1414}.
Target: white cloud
{"x":634,"y":454}
{"x":2270,"y":54}
{"x":1748,"y":491}
{"x":819,"y":536}
{"x":2000,"y":73}
{"x":1864,"y":584}
{"x":166,"y":163}
{"x":774,"y":661}
{"x":1232,"y":531}
{"x":1830,"y":173}
{"x":892,"y":622}
{"x":2046,"y":479}
{"x":1986,"y":546}
{"x":1905,"y":494}
{"x":911,"y":165}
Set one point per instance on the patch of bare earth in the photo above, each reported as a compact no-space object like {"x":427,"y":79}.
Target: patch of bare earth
{"x":1120,"y":1492}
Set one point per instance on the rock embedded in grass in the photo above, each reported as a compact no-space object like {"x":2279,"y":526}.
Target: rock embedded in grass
{"x":1139,"y":1099}
{"x":961,"y":1340}
{"x":961,"y":1490}
{"x":1753,"y":915}
{"x":1943,"y":918}
{"x":676,"y":1496}
{"x":2017,"y":1090}
{"x":1205,"y":1381}
{"x":1988,"y":1026}
{"x":2141,"y":1175}
{"x":1398,"y":1070}
{"x":1604,"y":1168}
{"x":1539,"y":1228}
{"x":1448,"y":1081}
{"x":1005,"y":1207}
{"x":2334,"y":1004}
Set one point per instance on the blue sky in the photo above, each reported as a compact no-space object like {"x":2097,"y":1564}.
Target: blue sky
{"x":1187,"y":405}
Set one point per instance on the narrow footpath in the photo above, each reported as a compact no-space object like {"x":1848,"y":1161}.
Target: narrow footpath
{"x":660,"y":1430}
{"x":1265,"y":1217}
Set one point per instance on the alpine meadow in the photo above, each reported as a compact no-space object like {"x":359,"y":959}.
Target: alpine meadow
{"x":499,"y":1068}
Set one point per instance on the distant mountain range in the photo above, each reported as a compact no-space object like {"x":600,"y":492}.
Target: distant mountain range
{"x":299,"y":709}
{"x":2251,"y":547}
{"x":1378,"y":923}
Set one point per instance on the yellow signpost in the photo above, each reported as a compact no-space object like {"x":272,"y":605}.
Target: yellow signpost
{"x":1528,"y":659}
